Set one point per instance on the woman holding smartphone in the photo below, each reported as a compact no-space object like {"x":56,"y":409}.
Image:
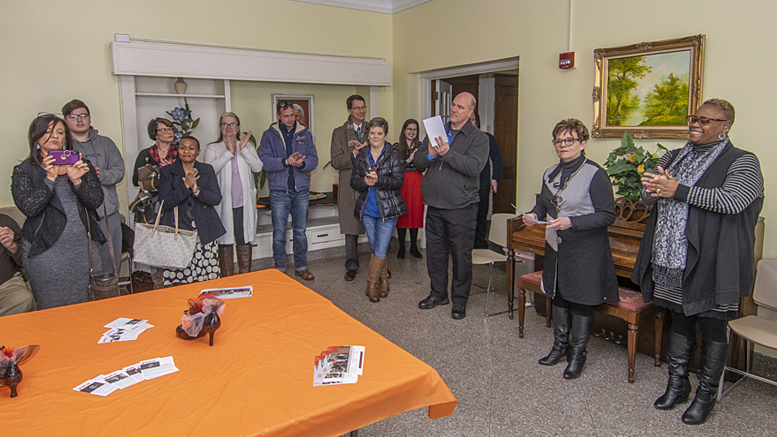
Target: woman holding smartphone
{"x":57,"y":199}
{"x":378,"y":173}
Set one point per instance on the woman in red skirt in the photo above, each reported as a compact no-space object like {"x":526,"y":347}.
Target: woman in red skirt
{"x":411,"y":190}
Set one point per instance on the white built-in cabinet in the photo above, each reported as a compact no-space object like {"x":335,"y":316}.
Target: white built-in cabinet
{"x":147,"y":73}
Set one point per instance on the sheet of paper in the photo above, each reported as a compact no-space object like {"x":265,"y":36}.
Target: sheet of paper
{"x":230,"y":293}
{"x":120,"y":379}
{"x":96,"y":386}
{"x":539,"y":222}
{"x":124,"y":322}
{"x":157,"y":367}
{"x":435,"y":128}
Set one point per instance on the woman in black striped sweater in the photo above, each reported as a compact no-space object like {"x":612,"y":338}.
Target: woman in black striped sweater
{"x":696,"y":257}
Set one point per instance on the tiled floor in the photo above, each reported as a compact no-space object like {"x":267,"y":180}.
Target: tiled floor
{"x":501,"y":389}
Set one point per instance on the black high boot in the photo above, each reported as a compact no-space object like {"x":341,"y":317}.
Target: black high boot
{"x":678,"y":387}
{"x":713,"y":359}
{"x":581,"y":330}
{"x":401,"y":234}
{"x":414,"y":243}
{"x":561,"y":318}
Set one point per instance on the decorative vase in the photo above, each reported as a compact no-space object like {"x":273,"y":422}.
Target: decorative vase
{"x":180,"y":86}
{"x":11,"y":376}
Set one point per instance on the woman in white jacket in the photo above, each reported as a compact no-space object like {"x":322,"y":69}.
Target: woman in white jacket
{"x":235,"y":163}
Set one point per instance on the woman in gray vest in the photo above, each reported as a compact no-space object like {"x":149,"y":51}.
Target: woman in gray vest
{"x":696,"y":257}
{"x":577,"y":203}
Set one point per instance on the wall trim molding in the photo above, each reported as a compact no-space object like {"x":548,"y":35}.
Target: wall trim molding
{"x":163,"y":59}
{"x":382,"y":6}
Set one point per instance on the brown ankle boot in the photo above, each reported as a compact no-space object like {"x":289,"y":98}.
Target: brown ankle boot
{"x":244,"y":256}
{"x":372,"y":279}
{"x":226,"y":260}
{"x":383,"y":291}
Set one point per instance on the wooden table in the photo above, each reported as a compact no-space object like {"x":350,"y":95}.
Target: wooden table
{"x":257,"y":379}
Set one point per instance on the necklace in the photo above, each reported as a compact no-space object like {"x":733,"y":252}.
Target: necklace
{"x":558,"y":200}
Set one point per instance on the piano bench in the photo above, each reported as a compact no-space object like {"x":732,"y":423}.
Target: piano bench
{"x":630,"y":309}
{"x":531,"y":282}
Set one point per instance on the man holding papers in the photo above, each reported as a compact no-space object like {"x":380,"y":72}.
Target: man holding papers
{"x":450,"y":189}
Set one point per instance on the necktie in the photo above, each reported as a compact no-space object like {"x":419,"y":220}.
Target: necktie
{"x":359,"y":133}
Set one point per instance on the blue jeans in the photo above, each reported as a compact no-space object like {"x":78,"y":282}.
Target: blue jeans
{"x":379,"y":234}
{"x":283,"y":203}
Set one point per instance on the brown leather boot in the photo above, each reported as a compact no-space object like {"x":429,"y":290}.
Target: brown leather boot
{"x":226,"y":260}
{"x":376,"y":268}
{"x":384,"y":278}
{"x":244,"y":256}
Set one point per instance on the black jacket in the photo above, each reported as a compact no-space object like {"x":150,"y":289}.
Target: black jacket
{"x":719,"y":264}
{"x":173,"y":192}
{"x":45,"y":216}
{"x":391,"y":176}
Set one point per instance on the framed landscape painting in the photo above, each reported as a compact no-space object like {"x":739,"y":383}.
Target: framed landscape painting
{"x":648,"y":89}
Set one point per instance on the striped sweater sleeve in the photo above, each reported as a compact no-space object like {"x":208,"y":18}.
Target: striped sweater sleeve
{"x":744,"y":183}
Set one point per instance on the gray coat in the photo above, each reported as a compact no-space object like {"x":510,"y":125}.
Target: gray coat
{"x":104,"y":154}
{"x":341,"y":154}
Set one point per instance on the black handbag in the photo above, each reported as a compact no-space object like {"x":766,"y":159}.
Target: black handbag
{"x":107,"y":285}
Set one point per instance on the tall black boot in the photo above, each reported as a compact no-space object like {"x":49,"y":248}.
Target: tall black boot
{"x":414,"y":243}
{"x":581,"y":330}
{"x":561,"y":318}
{"x":678,"y":387}
{"x":713,"y":359}
{"x":401,"y":234}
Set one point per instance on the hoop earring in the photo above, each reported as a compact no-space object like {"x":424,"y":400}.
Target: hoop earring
{"x":722,"y":135}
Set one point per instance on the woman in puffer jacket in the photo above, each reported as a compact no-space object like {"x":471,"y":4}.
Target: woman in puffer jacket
{"x":378,"y":173}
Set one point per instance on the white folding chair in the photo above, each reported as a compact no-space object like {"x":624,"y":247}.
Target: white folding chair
{"x":756,"y":329}
{"x":498,"y":236}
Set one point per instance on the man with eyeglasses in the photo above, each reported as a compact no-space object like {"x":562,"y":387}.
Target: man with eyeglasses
{"x":289,"y":154}
{"x":346,"y":142}
{"x":450,"y":191}
{"x":108,"y":163}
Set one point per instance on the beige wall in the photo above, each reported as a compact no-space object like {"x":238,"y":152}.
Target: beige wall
{"x":537,"y":32}
{"x":53,"y":51}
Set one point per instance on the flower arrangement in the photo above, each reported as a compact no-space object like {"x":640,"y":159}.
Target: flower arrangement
{"x":626,"y":164}
{"x":182,"y":120}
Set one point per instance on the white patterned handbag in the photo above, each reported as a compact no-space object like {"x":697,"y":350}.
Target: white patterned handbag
{"x":164,"y":246}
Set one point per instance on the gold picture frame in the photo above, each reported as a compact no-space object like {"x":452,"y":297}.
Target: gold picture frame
{"x":648,"y":89}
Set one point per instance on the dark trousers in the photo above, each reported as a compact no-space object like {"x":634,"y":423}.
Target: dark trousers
{"x":351,"y":252}
{"x":481,"y":232}
{"x":450,"y":231}
{"x":237,"y":223}
{"x":711,"y":329}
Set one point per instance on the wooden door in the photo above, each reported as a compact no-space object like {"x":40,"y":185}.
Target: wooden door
{"x":506,"y":133}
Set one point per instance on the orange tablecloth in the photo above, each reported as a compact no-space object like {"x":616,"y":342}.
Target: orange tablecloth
{"x":257,"y":379}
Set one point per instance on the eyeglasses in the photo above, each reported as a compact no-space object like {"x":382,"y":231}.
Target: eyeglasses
{"x":285,"y":104}
{"x":229,"y":125}
{"x":410,"y":129}
{"x":166,"y":130}
{"x":701,"y":120}
{"x":566,"y":141}
{"x":77,"y":116}
{"x":358,"y":108}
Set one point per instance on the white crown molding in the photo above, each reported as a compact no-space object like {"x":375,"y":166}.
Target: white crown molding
{"x":207,"y":62}
{"x":382,"y":6}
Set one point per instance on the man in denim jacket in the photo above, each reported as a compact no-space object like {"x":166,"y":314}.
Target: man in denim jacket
{"x":289,"y":154}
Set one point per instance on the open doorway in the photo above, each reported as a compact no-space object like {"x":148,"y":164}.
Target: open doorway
{"x":496,"y":92}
